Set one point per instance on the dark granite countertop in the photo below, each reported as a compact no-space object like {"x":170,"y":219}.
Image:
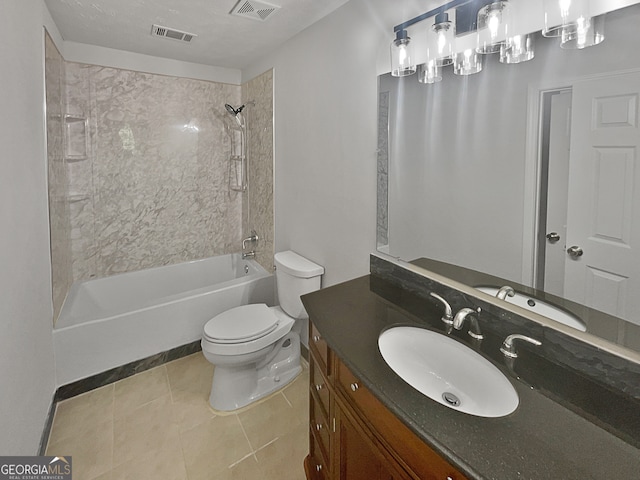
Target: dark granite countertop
{"x":547,"y":437}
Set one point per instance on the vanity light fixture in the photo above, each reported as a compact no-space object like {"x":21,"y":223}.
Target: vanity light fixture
{"x":429,"y":72}
{"x":402,"y":63}
{"x":496,"y":26}
{"x":441,"y":38}
{"x":565,"y":16}
{"x":519,"y":48}
{"x":467,"y":62}
{"x":587,"y":35}
{"x":493,"y":26}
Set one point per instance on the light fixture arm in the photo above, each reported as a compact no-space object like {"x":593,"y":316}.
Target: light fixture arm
{"x":439,"y":10}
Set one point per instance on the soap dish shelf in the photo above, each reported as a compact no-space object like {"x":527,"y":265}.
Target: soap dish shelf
{"x":76,"y":138}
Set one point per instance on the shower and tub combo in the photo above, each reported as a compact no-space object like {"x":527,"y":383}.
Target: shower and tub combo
{"x":111,"y":321}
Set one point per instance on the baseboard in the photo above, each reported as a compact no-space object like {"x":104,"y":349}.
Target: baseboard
{"x":46,"y":432}
{"x":124,"y":371}
{"x":110,"y":376}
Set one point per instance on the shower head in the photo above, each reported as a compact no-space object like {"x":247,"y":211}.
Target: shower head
{"x":233,"y":111}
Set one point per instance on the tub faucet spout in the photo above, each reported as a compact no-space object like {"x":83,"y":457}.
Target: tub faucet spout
{"x":253,"y":238}
{"x":251,"y":254}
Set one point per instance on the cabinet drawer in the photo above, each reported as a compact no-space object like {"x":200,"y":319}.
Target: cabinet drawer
{"x":410,"y":451}
{"x":358,"y":394}
{"x":319,"y":424}
{"x":319,"y":385}
{"x":318,"y":466}
{"x":320,"y":348}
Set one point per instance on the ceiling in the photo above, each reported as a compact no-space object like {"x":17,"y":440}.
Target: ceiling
{"x":223,"y":40}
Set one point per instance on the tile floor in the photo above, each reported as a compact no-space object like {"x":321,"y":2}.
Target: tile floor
{"x":158,"y":425}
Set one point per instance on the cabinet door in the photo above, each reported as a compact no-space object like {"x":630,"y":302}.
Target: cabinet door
{"x":359,"y":458}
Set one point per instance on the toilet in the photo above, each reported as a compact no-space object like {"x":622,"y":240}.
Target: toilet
{"x":255,"y":348}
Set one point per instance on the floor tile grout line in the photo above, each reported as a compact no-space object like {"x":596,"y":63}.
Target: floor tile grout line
{"x":286,"y":399}
{"x":252,"y":454}
{"x":266,"y":445}
{"x":184,"y":458}
{"x":244,"y":431}
{"x":120,"y":417}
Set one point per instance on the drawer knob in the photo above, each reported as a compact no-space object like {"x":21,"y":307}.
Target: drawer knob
{"x":354,"y":387}
{"x":316,"y":338}
{"x":319,"y":387}
{"x":318,"y":426}
{"x":318,"y":468}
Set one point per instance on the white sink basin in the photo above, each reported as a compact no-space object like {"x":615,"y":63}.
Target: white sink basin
{"x":540,"y":307}
{"x":448,"y":372}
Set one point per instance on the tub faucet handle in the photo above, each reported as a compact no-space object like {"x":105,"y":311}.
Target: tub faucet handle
{"x":253,"y":238}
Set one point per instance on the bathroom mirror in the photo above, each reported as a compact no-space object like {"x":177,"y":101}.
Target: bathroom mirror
{"x":486,"y":171}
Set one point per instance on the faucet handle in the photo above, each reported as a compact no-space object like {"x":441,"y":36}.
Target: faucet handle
{"x":447,"y":318}
{"x":508,"y":348}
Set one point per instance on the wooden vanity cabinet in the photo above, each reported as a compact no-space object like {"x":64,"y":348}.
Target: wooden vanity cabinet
{"x":355,"y":437}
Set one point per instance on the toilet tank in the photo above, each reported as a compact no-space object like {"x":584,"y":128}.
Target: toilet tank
{"x":295,"y":276}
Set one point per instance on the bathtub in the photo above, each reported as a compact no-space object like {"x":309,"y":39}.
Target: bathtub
{"x":108,"y":322}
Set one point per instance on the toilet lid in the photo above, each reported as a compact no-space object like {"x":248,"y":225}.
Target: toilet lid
{"x":241,"y":324}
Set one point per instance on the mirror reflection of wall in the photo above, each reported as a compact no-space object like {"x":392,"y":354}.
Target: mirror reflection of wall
{"x":466,"y":162}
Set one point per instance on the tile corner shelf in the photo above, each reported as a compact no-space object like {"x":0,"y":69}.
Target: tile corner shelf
{"x":77,"y":197}
{"x":76,"y":139}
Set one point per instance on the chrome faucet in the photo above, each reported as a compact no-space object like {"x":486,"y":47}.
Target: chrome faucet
{"x":505,"y":292}
{"x":474,"y":329}
{"x":508,"y":348}
{"x":447,"y":318}
{"x":253,"y":238}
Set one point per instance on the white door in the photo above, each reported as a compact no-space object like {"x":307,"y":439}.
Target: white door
{"x":603,"y":217}
{"x":557,"y":185}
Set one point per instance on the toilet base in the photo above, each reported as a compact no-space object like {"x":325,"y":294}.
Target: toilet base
{"x":234,"y":386}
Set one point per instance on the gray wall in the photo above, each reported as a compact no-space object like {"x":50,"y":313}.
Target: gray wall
{"x":325,"y":145}
{"x":26,"y":353}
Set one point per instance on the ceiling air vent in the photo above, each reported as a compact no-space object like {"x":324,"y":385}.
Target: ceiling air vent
{"x":254,"y":9}
{"x":172,"y":33}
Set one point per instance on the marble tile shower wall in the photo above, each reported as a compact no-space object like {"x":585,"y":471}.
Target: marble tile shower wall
{"x":258,"y":203}
{"x":154,"y":189}
{"x":59,"y":198}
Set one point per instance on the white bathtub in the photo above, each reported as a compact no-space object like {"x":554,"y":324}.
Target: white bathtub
{"x":109,"y":322}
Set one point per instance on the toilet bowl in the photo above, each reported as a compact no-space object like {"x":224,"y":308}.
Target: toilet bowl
{"x":255,"y":348}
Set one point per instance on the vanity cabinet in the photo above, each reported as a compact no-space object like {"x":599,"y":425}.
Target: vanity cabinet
{"x":355,"y":437}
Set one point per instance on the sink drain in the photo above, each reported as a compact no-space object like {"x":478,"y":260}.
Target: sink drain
{"x":451,"y":399}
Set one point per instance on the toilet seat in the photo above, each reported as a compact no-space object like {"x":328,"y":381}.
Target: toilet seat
{"x":241,"y":324}
{"x":283,"y":325}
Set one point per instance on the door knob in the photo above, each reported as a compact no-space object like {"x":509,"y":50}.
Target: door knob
{"x":553,"y":237}
{"x":575,"y":251}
